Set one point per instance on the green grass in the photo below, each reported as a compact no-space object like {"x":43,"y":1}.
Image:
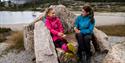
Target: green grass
{"x":113,"y":30}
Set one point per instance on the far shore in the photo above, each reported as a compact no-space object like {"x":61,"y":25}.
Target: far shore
{"x":14,"y":27}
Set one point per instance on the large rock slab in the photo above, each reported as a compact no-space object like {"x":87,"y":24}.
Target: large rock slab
{"x":29,"y":38}
{"x":102,"y":40}
{"x":104,"y":45}
{"x":43,"y":44}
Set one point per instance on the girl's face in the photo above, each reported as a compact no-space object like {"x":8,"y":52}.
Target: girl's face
{"x":84,"y":13}
{"x":51,"y":13}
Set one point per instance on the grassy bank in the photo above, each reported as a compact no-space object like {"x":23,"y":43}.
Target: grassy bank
{"x":13,"y":38}
{"x":113,"y":30}
{"x":17,"y":40}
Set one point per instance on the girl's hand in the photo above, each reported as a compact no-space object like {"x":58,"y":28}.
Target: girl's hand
{"x":64,"y":36}
{"x":77,"y":31}
{"x":60,"y":34}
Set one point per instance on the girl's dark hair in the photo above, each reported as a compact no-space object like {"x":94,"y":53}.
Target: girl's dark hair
{"x":91,"y":12}
{"x":47,"y":11}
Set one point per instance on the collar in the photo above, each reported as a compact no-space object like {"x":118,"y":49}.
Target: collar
{"x":51,"y":18}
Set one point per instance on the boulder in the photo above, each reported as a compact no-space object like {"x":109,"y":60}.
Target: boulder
{"x":29,"y":38}
{"x":116,"y":54}
{"x":102,"y":40}
{"x":67,"y":19}
{"x":103,"y":44}
{"x":43,"y":44}
{"x":66,"y":16}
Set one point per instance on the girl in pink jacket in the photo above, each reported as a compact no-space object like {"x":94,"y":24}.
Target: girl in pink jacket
{"x":54,"y":24}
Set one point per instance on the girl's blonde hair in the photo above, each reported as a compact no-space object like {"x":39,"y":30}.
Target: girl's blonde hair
{"x":47,"y":11}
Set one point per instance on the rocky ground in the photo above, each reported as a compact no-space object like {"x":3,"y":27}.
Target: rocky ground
{"x":14,"y":57}
{"x":26,"y":57}
{"x":9,"y":54}
{"x":12,"y":50}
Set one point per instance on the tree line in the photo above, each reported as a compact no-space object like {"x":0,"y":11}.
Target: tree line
{"x":102,"y":0}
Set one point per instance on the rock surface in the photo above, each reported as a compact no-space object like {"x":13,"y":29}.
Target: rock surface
{"x":66,"y":16}
{"x":43,"y":44}
{"x":116,"y":54}
{"x":14,"y":57}
{"x":102,"y":40}
{"x":29,"y":38}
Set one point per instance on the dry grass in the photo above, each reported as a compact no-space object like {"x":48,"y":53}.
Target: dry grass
{"x":2,"y":38}
{"x":16,"y":40}
{"x":114,"y":30}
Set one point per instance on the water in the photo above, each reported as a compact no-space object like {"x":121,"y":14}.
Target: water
{"x":8,"y":17}
{"x":109,"y":20}
{"x":116,"y":39}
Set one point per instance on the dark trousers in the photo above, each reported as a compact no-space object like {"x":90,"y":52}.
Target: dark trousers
{"x":84,"y":45}
{"x":58,"y":43}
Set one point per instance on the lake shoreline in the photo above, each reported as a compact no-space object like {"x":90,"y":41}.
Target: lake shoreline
{"x":14,"y":27}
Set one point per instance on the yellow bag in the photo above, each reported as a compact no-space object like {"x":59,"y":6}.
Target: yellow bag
{"x":72,"y":48}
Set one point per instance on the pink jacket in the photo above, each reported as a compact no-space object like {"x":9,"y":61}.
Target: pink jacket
{"x":55,"y":26}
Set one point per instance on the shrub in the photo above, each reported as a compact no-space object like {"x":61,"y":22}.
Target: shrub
{"x":2,"y":30}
